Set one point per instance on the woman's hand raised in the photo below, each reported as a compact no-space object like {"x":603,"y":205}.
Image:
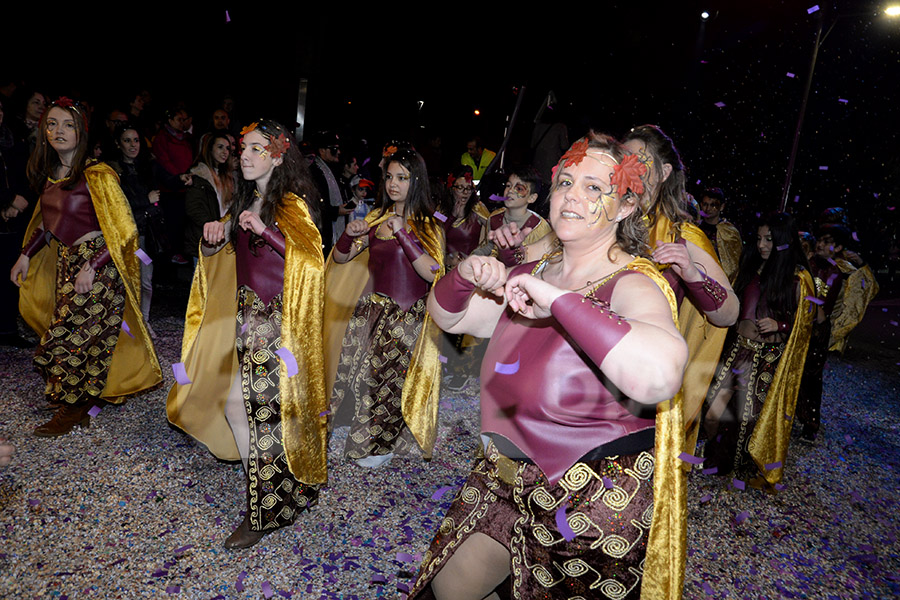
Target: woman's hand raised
{"x":531,"y":297}
{"x":486,"y":272}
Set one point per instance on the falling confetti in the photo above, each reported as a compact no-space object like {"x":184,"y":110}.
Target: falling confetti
{"x":289,"y":361}
{"x":143,"y":256}
{"x":812,"y":9}
{"x":440,"y":217}
{"x":507,"y":369}
{"x":126,"y":328}
{"x":791,"y":75}
{"x":720,"y":104}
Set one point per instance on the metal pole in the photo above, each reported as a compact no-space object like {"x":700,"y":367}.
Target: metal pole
{"x":790,"y":168}
{"x":301,"y":109}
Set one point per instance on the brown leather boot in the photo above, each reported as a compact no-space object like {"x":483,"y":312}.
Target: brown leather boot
{"x":243,"y":536}
{"x":64,"y":419}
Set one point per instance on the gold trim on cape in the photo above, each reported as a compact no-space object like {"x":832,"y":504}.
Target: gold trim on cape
{"x":135,"y":366}
{"x":210,"y":357}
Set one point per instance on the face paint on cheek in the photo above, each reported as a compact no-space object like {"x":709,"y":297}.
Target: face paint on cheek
{"x":263,"y":154}
{"x":599,"y":207}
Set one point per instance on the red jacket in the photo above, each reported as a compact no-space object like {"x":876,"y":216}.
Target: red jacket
{"x":173,"y":151}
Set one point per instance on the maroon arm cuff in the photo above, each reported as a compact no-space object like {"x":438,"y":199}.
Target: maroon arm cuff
{"x":100,"y":259}
{"x":344,"y":244}
{"x":452,"y":292}
{"x":38,"y":240}
{"x":593,"y":326}
{"x":411,"y":247}
{"x":275,"y":239}
{"x":708,"y":295}
{"x":511,"y":257}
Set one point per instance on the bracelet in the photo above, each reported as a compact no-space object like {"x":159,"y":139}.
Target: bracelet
{"x":99,"y":259}
{"x":708,"y":294}
{"x":592,"y":325}
{"x":274,"y":239}
{"x":452,"y":292}
{"x":411,"y":247}
{"x":38,"y":240}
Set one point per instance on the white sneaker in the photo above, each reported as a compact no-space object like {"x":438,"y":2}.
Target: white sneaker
{"x":373,"y":462}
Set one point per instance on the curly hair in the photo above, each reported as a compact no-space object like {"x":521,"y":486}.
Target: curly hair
{"x":292,"y":175}
{"x":668,"y":197}
{"x":631,"y":232}
{"x":44,"y":160}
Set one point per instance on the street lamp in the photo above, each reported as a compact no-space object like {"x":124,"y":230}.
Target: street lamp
{"x":890,"y":11}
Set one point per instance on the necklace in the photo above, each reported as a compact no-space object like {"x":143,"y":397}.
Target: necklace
{"x":592,"y":284}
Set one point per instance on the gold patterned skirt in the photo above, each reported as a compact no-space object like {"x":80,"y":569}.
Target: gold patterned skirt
{"x":747,"y":368}
{"x":375,"y":356}
{"x":275,"y":497}
{"x":75,"y":352}
{"x":608,"y":506}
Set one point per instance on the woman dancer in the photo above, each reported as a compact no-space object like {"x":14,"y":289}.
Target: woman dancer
{"x":750,"y":404}
{"x":253,"y":386}
{"x":583,"y":346}
{"x":467,"y":217}
{"x":80,"y":302}
{"x":388,"y":373}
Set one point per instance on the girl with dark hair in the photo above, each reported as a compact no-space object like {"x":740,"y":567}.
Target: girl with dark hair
{"x":80,"y":307}
{"x":136,"y":178}
{"x":253,"y":387}
{"x":579,"y":479}
{"x":210,"y":193}
{"x":750,"y":404}
{"x":388,"y":374}
{"x":466,"y":217}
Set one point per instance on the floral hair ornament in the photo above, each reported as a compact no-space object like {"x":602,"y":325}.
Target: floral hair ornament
{"x":251,"y":127}
{"x":451,"y":179}
{"x":278,"y":145}
{"x":627,"y":175}
{"x":66,"y":102}
{"x":389,"y":151}
{"x":576,"y":153}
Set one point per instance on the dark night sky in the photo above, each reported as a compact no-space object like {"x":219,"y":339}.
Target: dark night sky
{"x":612,"y":66}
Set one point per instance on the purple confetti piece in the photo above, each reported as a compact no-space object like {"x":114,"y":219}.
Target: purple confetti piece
{"x":440,"y":217}
{"x":267,"y":589}
{"x":94,"y":411}
{"x":562,"y":524}
{"x":690,"y":458}
{"x":814,"y":300}
{"x":812,"y":9}
{"x":118,"y":562}
{"x":404,"y":557}
{"x":842,"y":100}
{"x":33,"y":502}
{"x":741,"y":517}
{"x":891,"y":207}
{"x":783,"y":247}
{"x":324,"y":412}
{"x":143,"y":256}
{"x":848,"y":439}
{"x":507,"y":369}
{"x":244,"y":328}
{"x":791,"y":75}
{"x":707,"y":588}
{"x":739,"y":484}
{"x":289,"y":361}
{"x":823,"y":168}
{"x":497,"y":198}
{"x":182,"y":549}
{"x":435,"y":268}
{"x":788,"y":417}
{"x":173,"y":589}
{"x":736,"y":371}
{"x":402,"y":587}
{"x":126,"y":329}
{"x":779,"y":486}
{"x":208,"y":498}
{"x":773,"y":466}
{"x":854,"y":236}
{"x":711,"y":471}
{"x":894,"y":323}
{"x":607,"y":483}
{"x":440,"y":492}
{"x":796,"y":199}
{"x":442,"y":358}
{"x":831,"y":279}
{"x":705,"y":498}
{"x":180,"y":374}
{"x":378,"y":578}
{"x":720,"y":104}
{"x":227,"y":17}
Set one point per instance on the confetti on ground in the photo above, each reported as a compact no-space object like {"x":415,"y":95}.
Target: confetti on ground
{"x":95,"y":410}
{"x":741,"y":517}
{"x":289,"y":361}
{"x":738,"y":484}
{"x":440,"y":492}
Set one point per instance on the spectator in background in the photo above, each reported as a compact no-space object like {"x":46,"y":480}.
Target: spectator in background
{"x":174,"y":155}
{"x":211,"y":190}
{"x":324,"y":166}
{"x":221,"y":119}
{"x":362,"y":204}
{"x":477,"y":157}
{"x":25,"y":123}
{"x":723,"y":235}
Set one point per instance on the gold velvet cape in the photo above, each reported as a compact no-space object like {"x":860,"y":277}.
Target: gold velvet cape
{"x":771,"y":436}
{"x":704,"y":340}
{"x":134,"y":366}
{"x":210,"y":357}
{"x":344,"y":284}
{"x":728,"y":244}
{"x":664,"y":563}
{"x":858,"y":290}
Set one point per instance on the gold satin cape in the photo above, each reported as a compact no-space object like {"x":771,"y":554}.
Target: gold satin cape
{"x":704,"y":340}
{"x":135,"y":366}
{"x":858,"y":290}
{"x":344,"y":284}
{"x":729,"y":247}
{"x":664,"y":563}
{"x":771,"y":436}
{"x":209,"y":353}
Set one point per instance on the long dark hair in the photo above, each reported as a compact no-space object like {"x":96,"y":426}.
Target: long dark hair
{"x":776,"y":280}
{"x":419,"y":205}
{"x":223,"y":171}
{"x":669,"y":197}
{"x":292,"y":175}
{"x":141,"y":162}
{"x":448,"y":203}
{"x":44,"y":159}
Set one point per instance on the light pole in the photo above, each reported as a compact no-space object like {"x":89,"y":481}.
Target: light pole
{"x":890,"y":11}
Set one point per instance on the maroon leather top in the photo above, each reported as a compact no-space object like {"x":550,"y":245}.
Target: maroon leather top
{"x":391,"y":273}
{"x":751,"y":300}
{"x":260,"y":268}
{"x":555,"y":407}
{"x":463,"y":238}
{"x":68,"y":214}
{"x":497,"y":221}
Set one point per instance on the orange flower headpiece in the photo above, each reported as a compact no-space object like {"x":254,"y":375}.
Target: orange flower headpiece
{"x":627,"y":175}
{"x":251,"y":127}
{"x":451,"y":179}
{"x":388,"y":151}
{"x":278,"y":145}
